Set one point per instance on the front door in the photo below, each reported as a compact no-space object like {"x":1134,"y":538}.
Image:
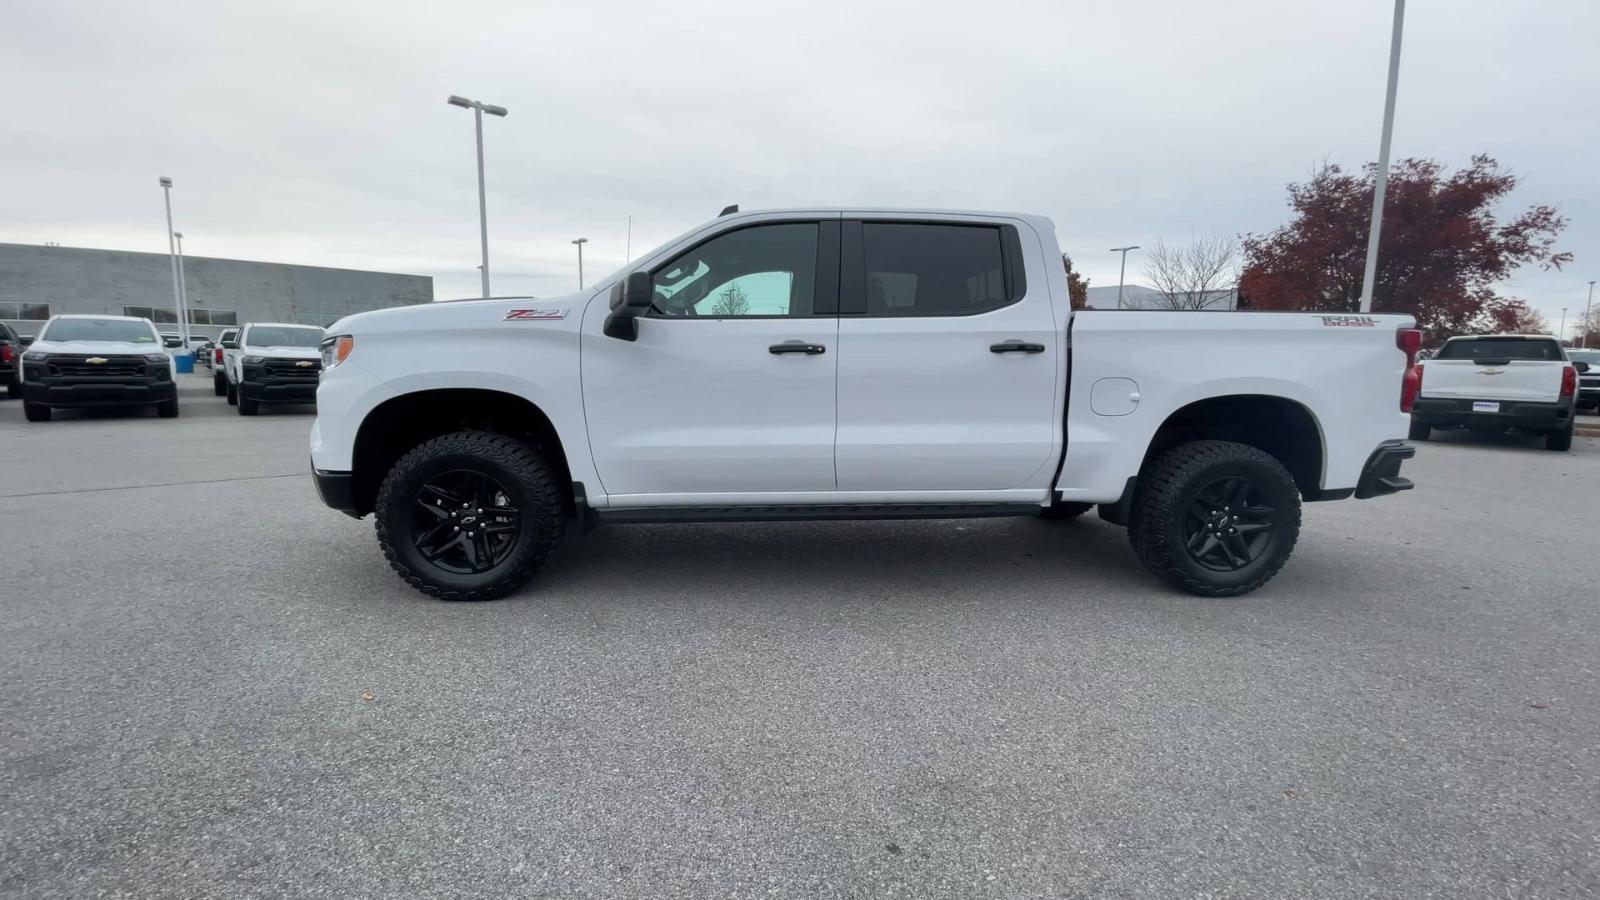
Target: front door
{"x":730,"y":387}
{"x":949,"y":360}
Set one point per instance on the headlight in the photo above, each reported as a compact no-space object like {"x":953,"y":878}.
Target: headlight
{"x":35,"y":356}
{"x":335,"y":349}
{"x":156,"y":357}
{"x":253,"y":360}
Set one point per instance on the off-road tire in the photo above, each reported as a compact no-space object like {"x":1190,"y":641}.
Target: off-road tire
{"x":1066,"y":510}
{"x":1167,"y":485}
{"x":1559,"y":440}
{"x":219,"y":384}
{"x":530,"y":483}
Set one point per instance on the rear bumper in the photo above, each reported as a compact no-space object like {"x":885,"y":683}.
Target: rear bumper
{"x":1451,"y":412}
{"x":59,"y":392}
{"x":1381,"y":474}
{"x":337,"y":490}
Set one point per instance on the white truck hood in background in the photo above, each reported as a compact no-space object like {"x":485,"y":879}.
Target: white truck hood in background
{"x":1519,"y":379}
{"x":96,"y":348}
{"x":283,"y":352}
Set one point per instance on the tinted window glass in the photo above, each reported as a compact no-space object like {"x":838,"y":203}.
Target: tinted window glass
{"x":932,"y":270}
{"x":768,"y":270}
{"x":278,"y":336}
{"x":1592,"y":357}
{"x":1500,"y":348}
{"x":128,"y":330}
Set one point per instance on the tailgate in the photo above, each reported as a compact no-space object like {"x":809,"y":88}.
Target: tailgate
{"x":1517,"y":379}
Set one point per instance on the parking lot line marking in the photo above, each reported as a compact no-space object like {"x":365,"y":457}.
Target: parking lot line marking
{"x":133,"y":487}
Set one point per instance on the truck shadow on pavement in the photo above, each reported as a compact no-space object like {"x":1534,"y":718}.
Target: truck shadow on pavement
{"x":1499,"y":440}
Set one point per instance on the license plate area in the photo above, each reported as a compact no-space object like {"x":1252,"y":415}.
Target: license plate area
{"x":1488,"y":406}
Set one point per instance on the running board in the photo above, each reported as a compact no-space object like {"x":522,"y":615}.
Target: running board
{"x":663,"y":514}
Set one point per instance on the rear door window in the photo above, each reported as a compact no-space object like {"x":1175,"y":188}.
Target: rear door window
{"x":922,"y":269}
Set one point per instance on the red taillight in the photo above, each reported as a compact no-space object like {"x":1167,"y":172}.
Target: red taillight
{"x":6,"y":353}
{"x":216,"y":356}
{"x":1410,"y":387}
{"x":1409,"y":340}
{"x":1569,"y":381}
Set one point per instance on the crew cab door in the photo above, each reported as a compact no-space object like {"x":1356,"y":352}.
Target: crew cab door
{"x":729,"y":386}
{"x":949,"y":359}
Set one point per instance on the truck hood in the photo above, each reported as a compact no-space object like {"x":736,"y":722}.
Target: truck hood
{"x":282,"y":352}
{"x":563,"y":313}
{"x":96,"y":348}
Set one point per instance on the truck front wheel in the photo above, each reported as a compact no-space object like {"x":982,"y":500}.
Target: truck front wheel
{"x":1215,"y":518}
{"x":469,"y":515}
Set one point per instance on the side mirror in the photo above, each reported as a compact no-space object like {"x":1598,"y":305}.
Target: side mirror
{"x":26,"y":339}
{"x":1582,"y":367}
{"x":630,"y":299}
{"x":230,"y":345}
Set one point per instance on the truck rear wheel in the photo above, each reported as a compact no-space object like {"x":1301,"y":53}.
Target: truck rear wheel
{"x":219,"y":384}
{"x":1559,"y":440}
{"x":1418,"y":431}
{"x":469,"y":515}
{"x":1215,"y":518}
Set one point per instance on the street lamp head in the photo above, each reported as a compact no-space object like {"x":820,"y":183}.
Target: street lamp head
{"x":581,"y":241}
{"x":462,"y":102}
{"x":493,"y":110}
{"x":178,"y":235}
{"x":165,"y":181}
{"x":1124,"y":249}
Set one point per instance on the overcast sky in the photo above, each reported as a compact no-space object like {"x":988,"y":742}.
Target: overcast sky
{"x":318,"y":132}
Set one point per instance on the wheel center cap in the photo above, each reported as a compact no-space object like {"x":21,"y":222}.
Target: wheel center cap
{"x":468,"y":520}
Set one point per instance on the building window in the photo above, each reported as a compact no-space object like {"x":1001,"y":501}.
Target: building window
{"x":24,"y":310}
{"x":166,"y":316}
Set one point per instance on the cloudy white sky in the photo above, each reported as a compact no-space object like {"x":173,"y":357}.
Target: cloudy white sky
{"x":317,"y":132}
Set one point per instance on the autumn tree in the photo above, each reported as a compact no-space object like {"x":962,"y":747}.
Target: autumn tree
{"x":731,"y":302}
{"x":1441,"y":251}
{"x":1195,"y":276}
{"x":1077,"y":285}
{"x":1516,"y":317}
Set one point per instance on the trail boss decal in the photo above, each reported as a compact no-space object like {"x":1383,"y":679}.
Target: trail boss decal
{"x":1350,"y":321}
{"x":537,"y":314}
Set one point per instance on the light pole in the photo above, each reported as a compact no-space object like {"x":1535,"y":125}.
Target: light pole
{"x":478,"y":109}
{"x":172,"y":251}
{"x":183,"y":283}
{"x":1561,"y":333}
{"x":1588,"y":310}
{"x":580,"y":242}
{"x":1371,"y":274}
{"x":1124,"y":270}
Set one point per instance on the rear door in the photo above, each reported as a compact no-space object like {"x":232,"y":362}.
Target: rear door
{"x":948,"y":359}
{"x":1524,"y":369}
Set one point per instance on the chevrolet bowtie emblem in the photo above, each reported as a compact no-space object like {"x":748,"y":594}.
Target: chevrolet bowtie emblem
{"x":96,"y":360}
{"x":1488,"y":371}
{"x":304,"y":363}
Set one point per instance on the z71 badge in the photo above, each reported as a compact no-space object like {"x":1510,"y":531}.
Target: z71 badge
{"x":540,"y":314}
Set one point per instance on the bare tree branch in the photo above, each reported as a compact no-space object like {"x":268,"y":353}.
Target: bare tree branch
{"x":1199,"y":276}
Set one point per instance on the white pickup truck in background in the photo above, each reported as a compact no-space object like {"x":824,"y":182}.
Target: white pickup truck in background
{"x":851,"y":364}
{"x":1496,"y":383}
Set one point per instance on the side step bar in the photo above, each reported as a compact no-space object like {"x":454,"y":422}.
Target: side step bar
{"x":647,"y":515}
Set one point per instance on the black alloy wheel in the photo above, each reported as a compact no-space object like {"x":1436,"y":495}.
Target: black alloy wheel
{"x":1228,"y":524}
{"x":464,"y":523}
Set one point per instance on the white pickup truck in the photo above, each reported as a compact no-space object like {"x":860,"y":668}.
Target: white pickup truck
{"x":851,"y":364}
{"x":1499,"y":382}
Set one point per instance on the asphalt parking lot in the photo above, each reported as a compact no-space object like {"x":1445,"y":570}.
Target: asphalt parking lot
{"x":214,"y":686}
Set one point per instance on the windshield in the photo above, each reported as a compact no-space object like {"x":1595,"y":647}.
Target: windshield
{"x":1501,"y":348}
{"x":131,"y":331}
{"x":283,"y":336}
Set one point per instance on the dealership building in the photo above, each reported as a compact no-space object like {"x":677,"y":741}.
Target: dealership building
{"x":37,"y":282}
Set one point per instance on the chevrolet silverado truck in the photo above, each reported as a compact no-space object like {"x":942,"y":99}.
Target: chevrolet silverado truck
{"x":275,"y":363}
{"x":851,"y":364}
{"x":97,"y":361}
{"x":1500,"y":382}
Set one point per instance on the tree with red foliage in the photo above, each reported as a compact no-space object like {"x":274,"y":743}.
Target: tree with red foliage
{"x":1516,"y":317}
{"x":1440,"y":254}
{"x":1077,"y":285}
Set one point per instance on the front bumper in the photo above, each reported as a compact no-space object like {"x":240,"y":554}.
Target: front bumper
{"x":337,"y":490}
{"x":68,"y":392}
{"x":262,"y":386}
{"x":1452,"y":412}
{"x":1381,"y":474}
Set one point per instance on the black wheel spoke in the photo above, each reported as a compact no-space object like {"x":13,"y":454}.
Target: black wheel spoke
{"x":1225,"y":524}
{"x":1252,"y":527}
{"x":464,"y":522}
{"x":1235,"y":547}
{"x":442,"y":549}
